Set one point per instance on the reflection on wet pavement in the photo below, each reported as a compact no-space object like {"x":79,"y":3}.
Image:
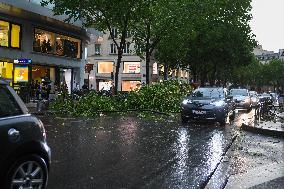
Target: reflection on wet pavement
{"x":128,"y":152}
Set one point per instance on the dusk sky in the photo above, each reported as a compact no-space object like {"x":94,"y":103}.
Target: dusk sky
{"x":268,"y":23}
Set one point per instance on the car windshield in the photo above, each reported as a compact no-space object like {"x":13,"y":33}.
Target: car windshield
{"x":253,"y":93}
{"x":208,"y":93}
{"x":242,"y":92}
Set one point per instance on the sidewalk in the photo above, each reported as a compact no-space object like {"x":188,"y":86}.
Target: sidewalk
{"x":37,"y":107}
{"x":272,"y":127}
{"x":255,"y":160}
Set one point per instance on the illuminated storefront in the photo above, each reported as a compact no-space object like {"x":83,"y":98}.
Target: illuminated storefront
{"x":105,"y":67}
{"x":57,"y":44}
{"x":131,"y":67}
{"x":6,"y":71}
{"x":130,"y":85}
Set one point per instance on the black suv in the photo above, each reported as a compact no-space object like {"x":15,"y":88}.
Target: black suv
{"x":24,"y":153}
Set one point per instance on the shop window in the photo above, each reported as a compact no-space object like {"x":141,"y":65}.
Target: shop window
{"x":21,"y":73}
{"x":131,"y":67}
{"x":15,"y":36}
{"x":105,"y":67}
{"x":68,"y":46}
{"x":44,"y":41}
{"x":130,"y":85}
{"x":155,"y":68}
{"x":4,"y":33}
{"x":48,"y":42}
{"x":105,"y":85}
{"x":6,"y":70}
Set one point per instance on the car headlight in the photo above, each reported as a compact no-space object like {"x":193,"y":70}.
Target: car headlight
{"x":246,"y":100}
{"x":186,"y":101}
{"x":218,"y":103}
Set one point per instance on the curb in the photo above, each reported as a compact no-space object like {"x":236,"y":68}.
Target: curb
{"x":114,"y":111}
{"x":258,"y":130}
{"x":208,"y":183}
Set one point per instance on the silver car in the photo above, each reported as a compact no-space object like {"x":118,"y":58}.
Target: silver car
{"x":242,"y":98}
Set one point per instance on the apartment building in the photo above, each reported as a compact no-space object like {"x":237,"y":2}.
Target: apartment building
{"x":102,"y":58}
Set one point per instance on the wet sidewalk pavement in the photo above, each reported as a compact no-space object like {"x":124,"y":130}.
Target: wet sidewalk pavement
{"x":256,"y":159}
{"x":273,"y":126}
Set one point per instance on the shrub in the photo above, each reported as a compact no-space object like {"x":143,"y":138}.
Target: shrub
{"x":163,"y":97}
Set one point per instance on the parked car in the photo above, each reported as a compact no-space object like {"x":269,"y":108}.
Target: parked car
{"x":24,"y":153}
{"x":274,"y":97}
{"x":242,"y":98}
{"x":208,"y":104}
{"x":265,"y":98}
{"x":254,"y":98}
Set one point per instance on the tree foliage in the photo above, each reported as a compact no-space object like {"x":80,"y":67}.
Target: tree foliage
{"x":102,"y":15}
{"x":259,"y":75}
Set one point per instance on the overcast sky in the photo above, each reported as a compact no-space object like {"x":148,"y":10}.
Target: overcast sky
{"x":267,"y":23}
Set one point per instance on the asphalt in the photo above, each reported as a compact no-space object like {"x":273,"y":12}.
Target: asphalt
{"x":129,"y":152}
{"x":253,"y":160}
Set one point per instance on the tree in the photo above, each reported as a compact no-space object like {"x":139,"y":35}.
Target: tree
{"x":159,"y":19}
{"x":222,"y":42}
{"x":102,"y":15}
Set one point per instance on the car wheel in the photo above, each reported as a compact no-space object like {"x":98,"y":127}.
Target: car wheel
{"x":27,"y":172}
{"x":184,"y":119}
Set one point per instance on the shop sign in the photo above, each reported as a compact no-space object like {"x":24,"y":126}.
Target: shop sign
{"x":23,"y":61}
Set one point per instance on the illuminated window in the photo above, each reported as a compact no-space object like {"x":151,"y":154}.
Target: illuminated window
{"x":131,"y":67}
{"x":15,"y":36}
{"x":49,"y":42}
{"x":105,"y":67}
{"x":6,"y":70}
{"x":4,"y":33}
{"x":68,"y":46}
{"x":21,"y":73}
{"x":44,"y":41}
{"x":5,"y":29}
{"x":130,"y":85}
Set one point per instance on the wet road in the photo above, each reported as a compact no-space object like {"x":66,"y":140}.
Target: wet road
{"x":129,"y":152}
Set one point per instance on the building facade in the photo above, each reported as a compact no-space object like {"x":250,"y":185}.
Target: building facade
{"x":36,"y":46}
{"x":264,"y":56}
{"x":102,"y":58}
